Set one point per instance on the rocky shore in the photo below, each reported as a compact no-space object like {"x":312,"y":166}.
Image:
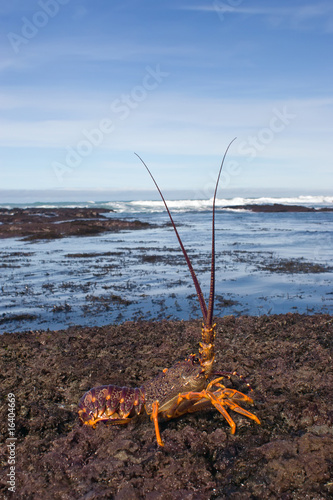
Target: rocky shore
{"x":287,"y":359}
{"x":49,"y":223}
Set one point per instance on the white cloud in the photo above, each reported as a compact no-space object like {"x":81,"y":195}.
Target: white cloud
{"x":173,"y":124}
{"x":291,"y":16}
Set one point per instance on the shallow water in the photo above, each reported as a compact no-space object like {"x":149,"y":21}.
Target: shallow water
{"x":266,"y":263}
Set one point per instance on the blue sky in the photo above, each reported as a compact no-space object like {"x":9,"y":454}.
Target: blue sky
{"x":85,"y":84}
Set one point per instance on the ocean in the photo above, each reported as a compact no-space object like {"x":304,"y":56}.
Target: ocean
{"x":266,"y":263}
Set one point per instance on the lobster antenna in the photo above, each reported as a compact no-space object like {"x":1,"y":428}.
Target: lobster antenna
{"x":208,"y":322}
{"x":194,"y":277}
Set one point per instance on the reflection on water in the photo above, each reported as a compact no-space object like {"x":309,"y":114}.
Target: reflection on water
{"x":265,"y":264}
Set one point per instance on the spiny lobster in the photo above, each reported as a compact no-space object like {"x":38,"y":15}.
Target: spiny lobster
{"x":183,"y":388}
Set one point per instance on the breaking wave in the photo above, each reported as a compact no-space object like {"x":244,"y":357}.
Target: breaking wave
{"x":151,"y":206}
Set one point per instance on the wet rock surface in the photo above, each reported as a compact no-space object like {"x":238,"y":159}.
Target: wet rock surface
{"x":48,"y":223}
{"x":287,"y":359}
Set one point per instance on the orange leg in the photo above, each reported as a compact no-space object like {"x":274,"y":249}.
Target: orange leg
{"x":196,"y":396}
{"x":154,"y":417}
{"x":234,"y":373}
{"x":241,"y":410}
{"x":198,"y":400}
{"x":219,"y":399}
{"x":232,"y":394}
{"x":227,"y":393}
{"x":115,"y":421}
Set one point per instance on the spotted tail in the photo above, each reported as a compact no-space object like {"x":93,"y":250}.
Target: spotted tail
{"x":110,"y":402}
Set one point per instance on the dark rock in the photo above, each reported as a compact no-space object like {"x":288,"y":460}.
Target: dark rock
{"x":45,"y":223}
{"x":278,"y":207}
{"x":288,"y":456}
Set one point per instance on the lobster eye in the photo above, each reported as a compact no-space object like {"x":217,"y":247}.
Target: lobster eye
{"x":194,"y":359}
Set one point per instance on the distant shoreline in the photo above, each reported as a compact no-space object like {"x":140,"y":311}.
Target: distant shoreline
{"x":277,"y":207}
{"x":37,"y":223}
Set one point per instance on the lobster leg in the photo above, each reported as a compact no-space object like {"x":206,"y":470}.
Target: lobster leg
{"x":219,"y":399}
{"x":227,"y":394}
{"x":233,"y":406}
{"x":233,"y":374}
{"x":154,"y":417}
{"x":197,"y":396}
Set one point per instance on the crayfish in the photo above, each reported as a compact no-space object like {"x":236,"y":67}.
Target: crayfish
{"x":188,"y":386}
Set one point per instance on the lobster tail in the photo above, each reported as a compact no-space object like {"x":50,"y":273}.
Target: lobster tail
{"x":110,"y":402}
